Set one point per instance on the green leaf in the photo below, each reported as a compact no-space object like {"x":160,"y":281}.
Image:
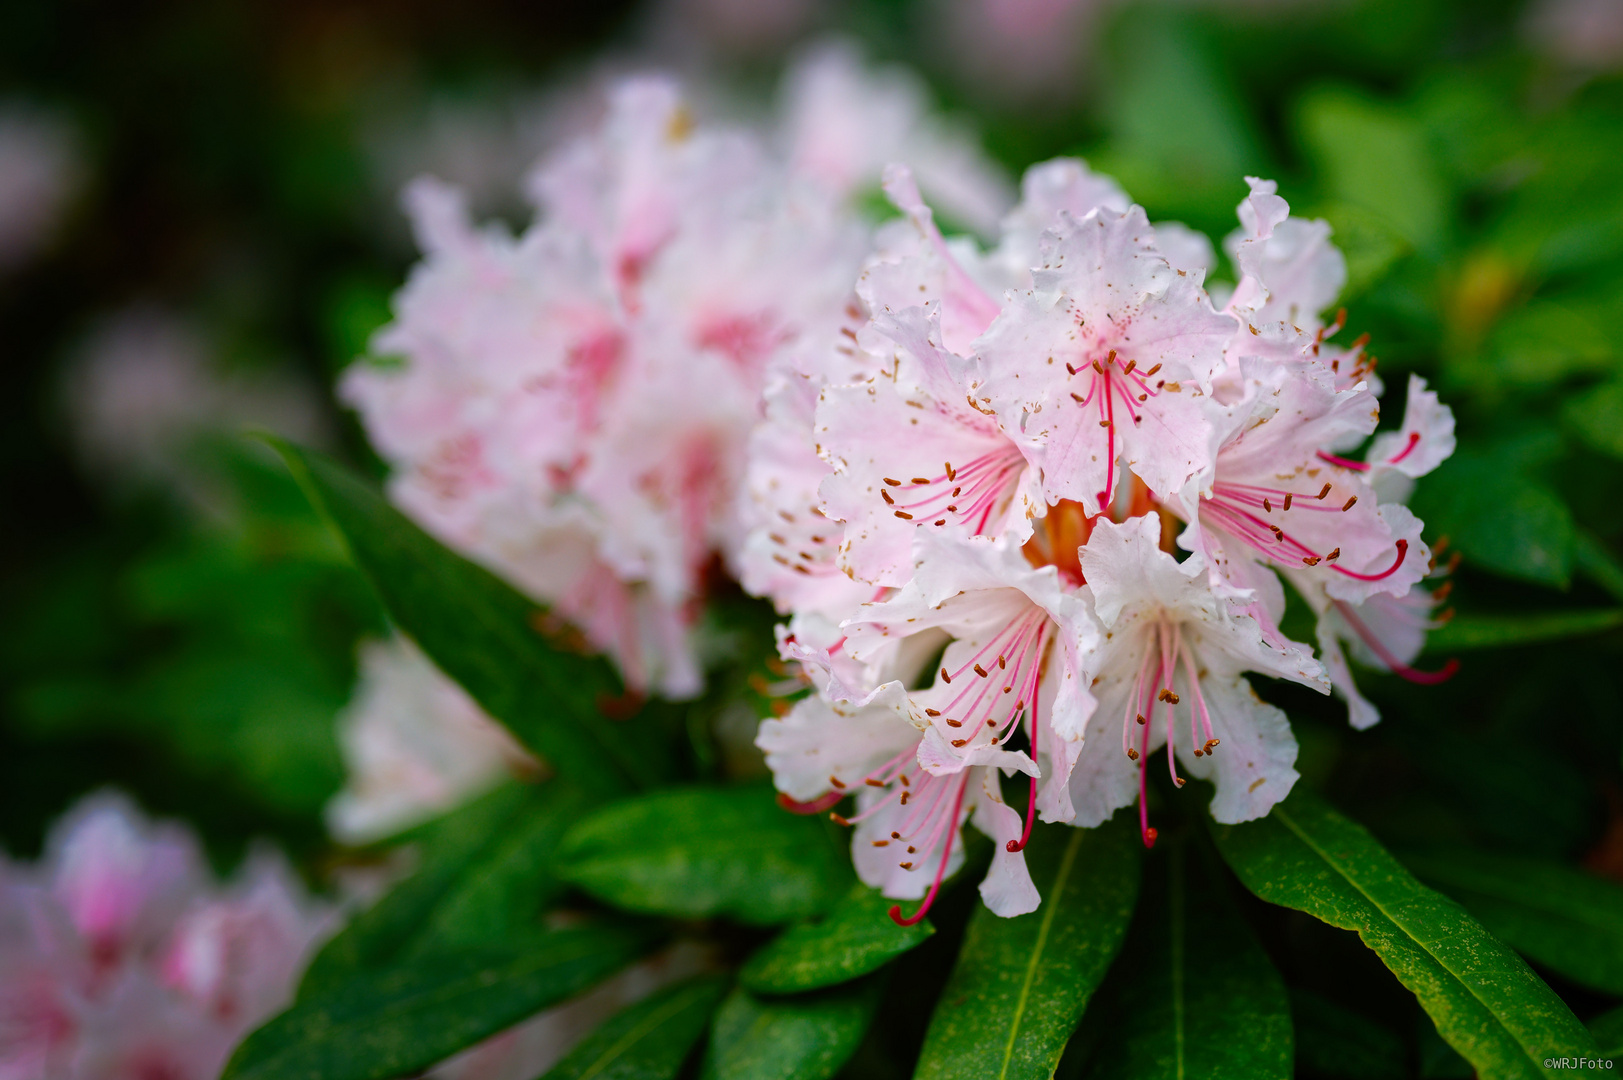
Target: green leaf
{"x":1199,"y":996}
{"x":698,"y":852}
{"x":1597,"y":417}
{"x":1484,"y":999}
{"x":1565,"y":919}
{"x":649,"y":1041}
{"x":808,"y":1037}
{"x":1020,"y":984}
{"x":1500,"y":631}
{"x":856,"y":937}
{"x":1371,"y":246}
{"x":1333,"y":1041}
{"x":388,"y":1023}
{"x":480,"y":632}
{"x":1499,"y":516}
{"x":1608,"y":1031}
{"x":447,"y":847}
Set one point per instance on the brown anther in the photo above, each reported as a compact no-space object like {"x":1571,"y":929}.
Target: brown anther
{"x":904,"y":515}
{"x":945,"y":677}
{"x":904,"y":798}
{"x":1128,"y":370}
{"x":837,"y":782}
{"x":932,"y":712}
{"x":905,"y":865}
{"x":1288,"y":497}
{"x":1335,"y":553}
{"x":1008,"y":689}
{"x":1104,"y":423}
{"x":837,"y":819}
{"x":1209,"y":744}
{"x":883,"y":494}
{"x":911,"y":850}
{"x":940,"y":521}
{"x":1323,"y":492}
{"x":952,"y":474}
{"x":959,"y":742}
{"x":1180,"y":781}
{"x":955,"y":492}
{"x":1200,"y":753}
{"x":952,"y":508}
{"x":1141,"y":719}
{"x":1348,"y":505}
{"x":1279,"y":534}
{"x":895,"y":835}
{"x":881,"y":843}
{"x":1069,"y":368}
{"x":954,"y":723}
{"x":980,"y":671}
{"x":892,"y":483}
{"x":1167,"y":695}
{"x":905,"y":781}
{"x":1078,"y":398}
{"x":1310,"y":560}
{"x":1002,"y":663}
{"x":920,"y":480}
{"x":871,"y":782}
{"x":1097,"y":368}
{"x":1267,"y":507}
{"x":1111,"y":359}
{"x":1152,"y":371}
{"x":1143,"y":398}
{"x":1132,"y":755}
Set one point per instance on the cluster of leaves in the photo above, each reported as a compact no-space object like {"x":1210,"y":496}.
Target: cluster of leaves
{"x":1133,"y":966}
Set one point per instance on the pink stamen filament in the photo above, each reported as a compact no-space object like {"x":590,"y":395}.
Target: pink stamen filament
{"x":1031,"y":796}
{"x":1399,"y":668}
{"x":1356,"y":466}
{"x":1259,"y":534}
{"x":976,"y":491}
{"x":941,"y":868}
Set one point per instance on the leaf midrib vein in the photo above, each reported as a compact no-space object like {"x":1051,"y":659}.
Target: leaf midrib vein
{"x":1037,"y":950}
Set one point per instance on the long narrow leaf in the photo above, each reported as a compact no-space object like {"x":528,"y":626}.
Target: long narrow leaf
{"x":1199,"y":997}
{"x":480,"y":632}
{"x":648,"y":1041}
{"x":408,"y":1017}
{"x":1565,"y":919}
{"x":809,"y":1037}
{"x":1484,"y":999}
{"x":1020,"y":984}
{"x":857,"y":937}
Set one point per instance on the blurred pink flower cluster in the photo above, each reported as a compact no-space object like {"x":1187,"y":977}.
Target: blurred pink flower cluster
{"x":121,"y":956}
{"x":571,"y":405}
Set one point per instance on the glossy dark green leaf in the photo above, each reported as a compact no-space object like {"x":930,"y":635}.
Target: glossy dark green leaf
{"x":446,"y":848}
{"x":411,"y":1015}
{"x":1335,"y":1042}
{"x":482,"y":633}
{"x":1596,"y":562}
{"x":1499,"y":514}
{"x":1483,"y":998}
{"x":1597,"y":417}
{"x":1562,"y":918}
{"x":806,"y":1037}
{"x":856,"y":937}
{"x":1020,"y":984}
{"x":1198,"y":995}
{"x":650,"y":1040}
{"x":696,"y":852}
{"x":1503,"y":631}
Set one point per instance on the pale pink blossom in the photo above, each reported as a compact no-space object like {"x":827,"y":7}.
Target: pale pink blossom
{"x":1106,"y":362}
{"x":120,"y":956}
{"x":1587,"y":34}
{"x":1170,"y":660}
{"x":868,"y":740}
{"x":574,"y":402}
{"x":414,"y":745}
{"x":844,"y":121}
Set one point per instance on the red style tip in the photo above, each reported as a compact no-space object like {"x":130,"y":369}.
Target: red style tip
{"x":1151,"y":834}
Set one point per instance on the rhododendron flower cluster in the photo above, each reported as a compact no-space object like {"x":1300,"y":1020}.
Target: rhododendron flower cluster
{"x":1030,"y":518}
{"x":571,"y":405}
{"x":120,"y":956}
